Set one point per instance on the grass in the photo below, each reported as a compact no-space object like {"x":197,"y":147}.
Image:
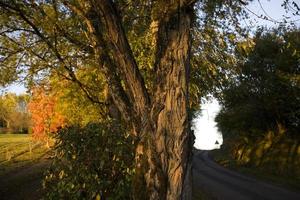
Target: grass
{"x":18,"y":150}
{"x":222,"y":156}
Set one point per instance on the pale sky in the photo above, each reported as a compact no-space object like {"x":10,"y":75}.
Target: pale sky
{"x":273,"y":10}
{"x":16,"y":88}
{"x":205,"y":129}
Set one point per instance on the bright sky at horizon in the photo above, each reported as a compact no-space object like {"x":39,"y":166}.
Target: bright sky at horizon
{"x":17,"y":88}
{"x":205,"y":129}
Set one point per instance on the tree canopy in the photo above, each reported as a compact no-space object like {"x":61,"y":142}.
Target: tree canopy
{"x":32,"y":49}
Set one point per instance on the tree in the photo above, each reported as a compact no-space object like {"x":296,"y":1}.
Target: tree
{"x":267,"y":88}
{"x":13,"y":111}
{"x":143,"y":50}
{"x":7,"y":107}
{"x":44,"y":116}
{"x":260,"y":112}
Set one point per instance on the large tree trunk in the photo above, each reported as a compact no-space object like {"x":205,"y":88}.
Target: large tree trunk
{"x":164,"y":153}
{"x":159,"y":118}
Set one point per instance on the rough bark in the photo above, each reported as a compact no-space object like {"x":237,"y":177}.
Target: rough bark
{"x":163,"y":154}
{"x":166,"y":145}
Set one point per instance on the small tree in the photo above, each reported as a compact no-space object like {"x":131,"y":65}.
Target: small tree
{"x":45,"y":118}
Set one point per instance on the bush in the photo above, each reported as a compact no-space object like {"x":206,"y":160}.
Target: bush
{"x":93,"y":162}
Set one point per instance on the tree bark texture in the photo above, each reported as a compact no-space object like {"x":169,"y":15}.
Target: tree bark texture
{"x":159,"y":118}
{"x":168,"y":149}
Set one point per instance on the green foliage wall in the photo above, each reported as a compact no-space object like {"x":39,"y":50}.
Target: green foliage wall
{"x":260,"y":115}
{"x":266,"y":93}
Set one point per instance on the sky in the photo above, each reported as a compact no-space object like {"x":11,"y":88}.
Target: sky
{"x":205,"y":129}
{"x":204,"y":125}
{"x":273,"y":10}
{"x":15,"y":88}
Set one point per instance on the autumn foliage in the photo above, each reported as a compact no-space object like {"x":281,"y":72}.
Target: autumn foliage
{"x":45,"y":118}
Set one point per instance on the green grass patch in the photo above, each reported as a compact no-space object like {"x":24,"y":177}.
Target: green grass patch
{"x":18,"y":150}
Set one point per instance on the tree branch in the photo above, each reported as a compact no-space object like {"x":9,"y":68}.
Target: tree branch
{"x":107,"y":66}
{"x":119,"y":47}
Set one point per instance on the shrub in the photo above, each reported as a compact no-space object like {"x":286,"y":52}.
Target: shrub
{"x":93,"y":162}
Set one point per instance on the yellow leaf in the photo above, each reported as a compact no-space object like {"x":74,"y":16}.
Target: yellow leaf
{"x":61,"y":174}
{"x":98,"y":197}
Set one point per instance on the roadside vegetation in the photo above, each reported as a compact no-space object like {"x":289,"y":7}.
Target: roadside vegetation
{"x":284,"y":179}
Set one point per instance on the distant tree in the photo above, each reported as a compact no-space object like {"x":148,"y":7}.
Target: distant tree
{"x":7,"y":106}
{"x":13,"y":111}
{"x":44,"y":116}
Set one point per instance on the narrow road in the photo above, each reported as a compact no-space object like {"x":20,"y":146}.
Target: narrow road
{"x":223,"y":184}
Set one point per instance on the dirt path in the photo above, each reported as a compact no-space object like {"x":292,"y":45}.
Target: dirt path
{"x":223,"y":184}
{"x":24,"y":183}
